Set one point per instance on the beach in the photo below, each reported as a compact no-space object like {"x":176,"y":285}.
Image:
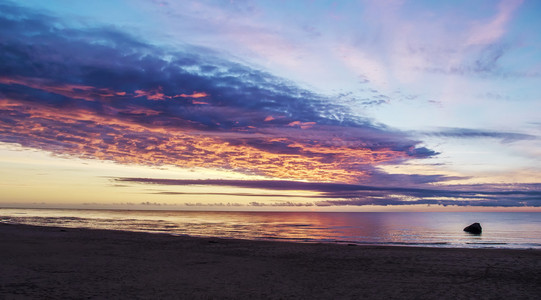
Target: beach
{"x":66,"y":263}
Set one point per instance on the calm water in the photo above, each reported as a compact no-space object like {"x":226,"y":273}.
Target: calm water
{"x":430,"y":229}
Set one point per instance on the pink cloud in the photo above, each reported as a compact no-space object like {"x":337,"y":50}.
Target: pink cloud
{"x":302,"y":125}
{"x":151,"y":95}
{"x":491,"y":31}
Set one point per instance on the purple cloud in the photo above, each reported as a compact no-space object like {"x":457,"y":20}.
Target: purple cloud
{"x":467,"y":133}
{"x":335,"y":194}
{"x":101,"y":93}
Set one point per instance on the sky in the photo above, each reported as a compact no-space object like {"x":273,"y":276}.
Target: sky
{"x":271,"y":105}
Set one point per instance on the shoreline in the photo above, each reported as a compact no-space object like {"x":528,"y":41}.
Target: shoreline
{"x":506,"y":234}
{"x":55,"y":262}
{"x":437,"y":245}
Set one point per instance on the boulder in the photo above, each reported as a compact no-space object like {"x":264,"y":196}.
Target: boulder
{"x":474,"y":228}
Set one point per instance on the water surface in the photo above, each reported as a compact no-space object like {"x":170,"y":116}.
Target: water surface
{"x":430,"y":229}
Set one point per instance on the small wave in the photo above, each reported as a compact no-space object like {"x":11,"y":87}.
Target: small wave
{"x":417,"y":243}
{"x":486,"y":243}
{"x":278,"y":238}
{"x":395,"y":243}
{"x":170,"y":226}
{"x":293,"y":225}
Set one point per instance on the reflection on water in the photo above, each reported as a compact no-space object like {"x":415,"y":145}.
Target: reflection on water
{"x":502,"y":230}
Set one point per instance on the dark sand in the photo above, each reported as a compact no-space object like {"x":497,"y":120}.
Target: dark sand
{"x":55,"y":263}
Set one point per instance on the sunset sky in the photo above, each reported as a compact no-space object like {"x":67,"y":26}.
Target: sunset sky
{"x":271,"y":105}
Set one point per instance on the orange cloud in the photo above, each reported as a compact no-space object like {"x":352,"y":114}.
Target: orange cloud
{"x":302,"y":125}
{"x":81,"y":133}
{"x":159,"y":95}
{"x":151,"y":95}
{"x":269,"y":118}
{"x":193,"y":95}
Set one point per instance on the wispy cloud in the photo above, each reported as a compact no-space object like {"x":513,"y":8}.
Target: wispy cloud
{"x":467,"y":133}
{"x":492,"y":30}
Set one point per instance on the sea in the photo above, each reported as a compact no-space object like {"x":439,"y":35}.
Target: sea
{"x":518,"y":230}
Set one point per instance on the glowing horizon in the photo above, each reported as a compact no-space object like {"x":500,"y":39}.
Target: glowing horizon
{"x":235,"y":106}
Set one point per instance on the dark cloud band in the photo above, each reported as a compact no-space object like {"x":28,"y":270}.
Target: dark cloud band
{"x":335,"y":194}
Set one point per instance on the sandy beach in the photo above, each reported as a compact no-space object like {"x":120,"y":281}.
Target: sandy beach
{"x":62,"y":263}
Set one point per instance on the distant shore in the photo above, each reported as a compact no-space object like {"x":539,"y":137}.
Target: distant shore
{"x":60,"y":263}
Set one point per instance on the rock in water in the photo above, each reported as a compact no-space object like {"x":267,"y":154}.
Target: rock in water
{"x":474,"y":228}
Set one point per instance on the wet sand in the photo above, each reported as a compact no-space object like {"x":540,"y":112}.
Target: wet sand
{"x":57,"y":263}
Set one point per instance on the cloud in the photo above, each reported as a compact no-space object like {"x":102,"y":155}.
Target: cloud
{"x":413,"y":41}
{"x":466,"y":133}
{"x":480,"y":60}
{"x":193,"y":95}
{"x":101,"y":93}
{"x":492,"y":30}
{"x":359,"y":195}
{"x":236,"y":194}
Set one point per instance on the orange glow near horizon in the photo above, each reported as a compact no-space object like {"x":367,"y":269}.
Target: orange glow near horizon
{"x":130,"y":134}
{"x":198,"y":105}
